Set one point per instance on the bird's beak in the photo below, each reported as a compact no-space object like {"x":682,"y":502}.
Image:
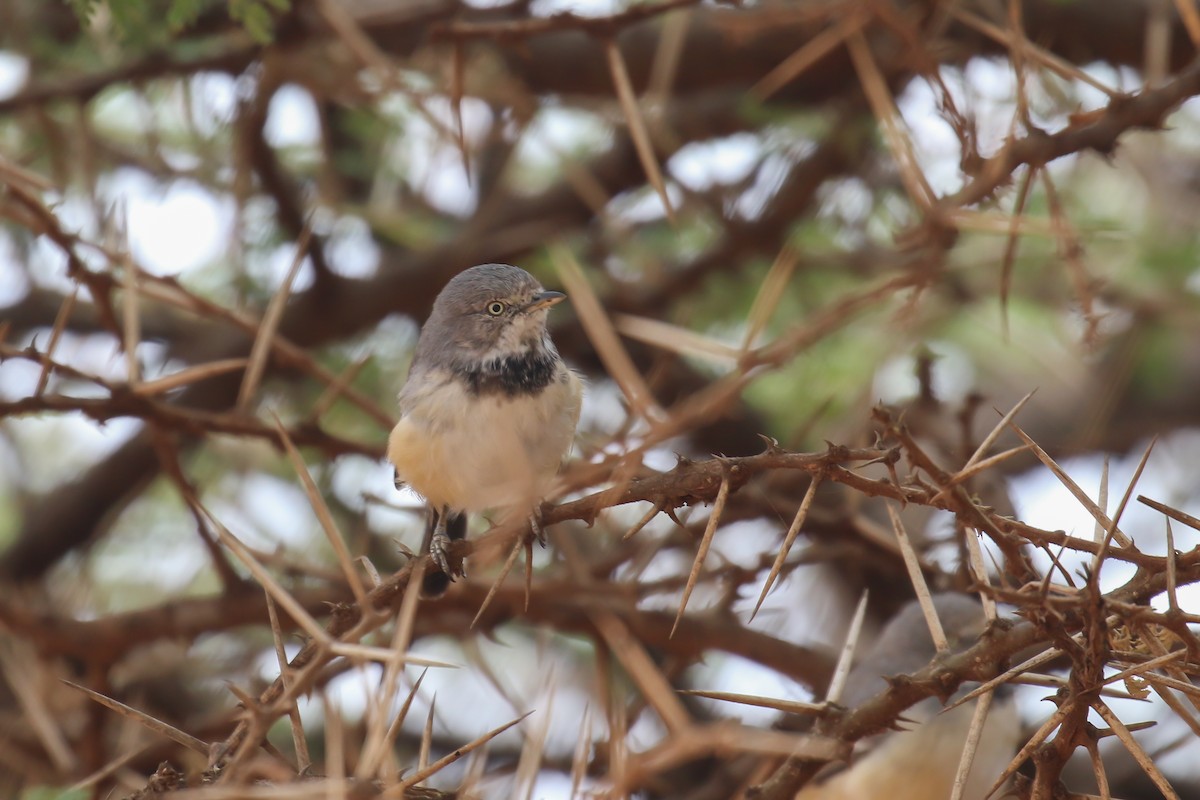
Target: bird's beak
{"x":544,"y":300}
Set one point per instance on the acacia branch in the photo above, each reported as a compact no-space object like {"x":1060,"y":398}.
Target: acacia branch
{"x":1098,"y":130}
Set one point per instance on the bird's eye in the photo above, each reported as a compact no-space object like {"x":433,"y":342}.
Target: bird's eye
{"x":495,"y":308}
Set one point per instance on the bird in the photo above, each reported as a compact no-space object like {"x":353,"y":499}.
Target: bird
{"x":488,"y":411}
{"x":920,"y":763}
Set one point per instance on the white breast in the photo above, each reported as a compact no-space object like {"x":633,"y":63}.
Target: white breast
{"x":471,"y":453}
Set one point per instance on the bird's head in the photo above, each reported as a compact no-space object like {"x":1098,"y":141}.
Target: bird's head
{"x":490,"y":312}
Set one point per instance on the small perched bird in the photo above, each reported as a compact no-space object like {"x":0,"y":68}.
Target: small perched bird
{"x":920,"y":763}
{"x":489,"y":409}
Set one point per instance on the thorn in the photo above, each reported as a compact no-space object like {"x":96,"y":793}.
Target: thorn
{"x":771,"y":443}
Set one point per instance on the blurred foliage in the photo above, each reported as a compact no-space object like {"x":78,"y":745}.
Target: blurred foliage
{"x":140,"y":23}
{"x":50,"y":793}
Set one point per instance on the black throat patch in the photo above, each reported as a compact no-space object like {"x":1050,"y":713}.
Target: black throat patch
{"x":519,"y":374}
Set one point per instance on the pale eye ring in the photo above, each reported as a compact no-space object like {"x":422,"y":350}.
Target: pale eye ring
{"x":495,"y":308}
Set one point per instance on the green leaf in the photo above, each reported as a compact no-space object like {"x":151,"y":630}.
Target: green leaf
{"x":183,"y":13}
{"x":53,"y":793}
{"x":131,"y":19}
{"x":256,"y":16}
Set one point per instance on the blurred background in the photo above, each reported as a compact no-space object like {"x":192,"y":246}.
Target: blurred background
{"x":216,"y":214}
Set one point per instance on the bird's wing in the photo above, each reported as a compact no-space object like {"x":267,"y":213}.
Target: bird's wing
{"x":576,"y":385}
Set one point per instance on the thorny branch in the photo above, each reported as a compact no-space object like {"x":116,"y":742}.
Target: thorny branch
{"x":685,"y":71}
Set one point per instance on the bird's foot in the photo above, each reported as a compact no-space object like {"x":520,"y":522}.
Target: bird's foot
{"x":439,"y":551}
{"x":536,"y":527}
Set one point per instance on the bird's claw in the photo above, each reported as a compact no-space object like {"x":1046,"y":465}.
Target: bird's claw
{"x":535,"y":527}
{"x":439,"y":550}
